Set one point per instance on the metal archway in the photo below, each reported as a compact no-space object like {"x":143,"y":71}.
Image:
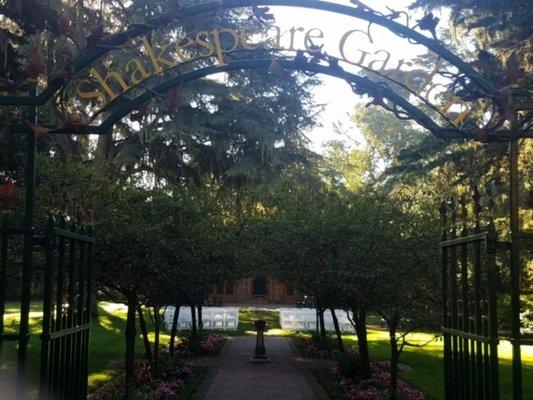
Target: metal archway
{"x":121,"y":109}
{"x":466,"y":70}
{"x":328,"y":66}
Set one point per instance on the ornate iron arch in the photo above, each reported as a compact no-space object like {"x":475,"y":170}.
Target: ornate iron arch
{"x":382,"y":93}
{"x":360,"y":84}
{"x":467,"y":73}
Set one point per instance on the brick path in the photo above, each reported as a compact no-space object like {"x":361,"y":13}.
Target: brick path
{"x":285,"y":377}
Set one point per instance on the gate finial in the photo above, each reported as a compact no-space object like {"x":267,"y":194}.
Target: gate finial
{"x":443,"y":211}
{"x":453,"y":208}
{"x":477,"y":207}
{"x":464,"y":213}
{"x":490,"y":206}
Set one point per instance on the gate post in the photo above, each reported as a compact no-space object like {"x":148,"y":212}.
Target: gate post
{"x":27,"y":263}
{"x":515,"y":269}
{"x":49,"y":275}
{"x":490,"y":250}
{"x":66,"y":311}
{"x":470,"y":324}
{"x":4,"y":240}
{"x":448,"y":386}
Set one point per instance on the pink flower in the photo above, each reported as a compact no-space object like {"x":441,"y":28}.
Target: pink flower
{"x":167,"y":390}
{"x":211,"y":343}
{"x":182,"y":371}
{"x":376,"y":387}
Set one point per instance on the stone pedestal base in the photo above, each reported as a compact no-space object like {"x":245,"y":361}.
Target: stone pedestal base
{"x":259,"y":360}
{"x":260,"y":352}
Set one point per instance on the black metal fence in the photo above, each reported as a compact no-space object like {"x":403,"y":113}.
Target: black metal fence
{"x":470,"y":325}
{"x":6,"y":237}
{"x":66,"y":311}
{"x":12,"y":242}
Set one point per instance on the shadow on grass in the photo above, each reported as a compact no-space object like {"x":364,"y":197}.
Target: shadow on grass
{"x":427,"y":367}
{"x":246,"y":324}
{"x":106,"y":343}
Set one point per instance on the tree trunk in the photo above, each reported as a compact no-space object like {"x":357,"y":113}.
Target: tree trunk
{"x":131,"y":333}
{"x":322,"y":324}
{"x":194,"y":329}
{"x":144,"y":331}
{"x":200,"y":318}
{"x":317,"y":323}
{"x":395,"y":355}
{"x":103,"y":147}
{"x":174,"y":329}
{"x":94,"y":306}
{"x":337,"y":330}
{"x":157,"y":330}
{"x":362,"y":339}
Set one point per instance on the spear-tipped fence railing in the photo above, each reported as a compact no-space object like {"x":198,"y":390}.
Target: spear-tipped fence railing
{"x":66,"y":311}
{"x":470,"y":324}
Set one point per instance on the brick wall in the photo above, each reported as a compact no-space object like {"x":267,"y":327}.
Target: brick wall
{"x":250,"y":291}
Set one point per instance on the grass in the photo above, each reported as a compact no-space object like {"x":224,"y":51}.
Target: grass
{"x":192,"y":383}
{"x":107,"y":344}
{"x":427,"y":363}
{"x":248,"y":317}
{"x":107,"y":339}
{"x":328,"y":384}
{"x":246,"y":324}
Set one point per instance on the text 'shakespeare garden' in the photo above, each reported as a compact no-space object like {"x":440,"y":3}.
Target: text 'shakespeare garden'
{"x":293,"y":199}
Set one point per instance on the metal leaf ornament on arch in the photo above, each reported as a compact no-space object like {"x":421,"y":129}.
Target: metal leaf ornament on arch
{"x":484,"y":81}
{"x":97,"y":35}
{"x":262,"y":14}
{"x":360,"y":4}
{"x":528,"y":202}
{"x":472,"y":82}
{"x":35,"y":66}
{"x":7,"y":196}
{"x":429,"y":23}
{"x":38,"y":131}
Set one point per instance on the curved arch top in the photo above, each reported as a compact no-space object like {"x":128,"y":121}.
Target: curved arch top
{"x":350,"y":11}
{"x":364,"y":83}
{"x":111,"y":42}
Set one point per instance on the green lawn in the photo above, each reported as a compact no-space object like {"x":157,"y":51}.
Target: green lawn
{"x":107,"y":338}
{"x":107,"y":344}
{"x":247,"y":327}
{"x":427,"y":363}
{"x":193,"y":383}
{"x":247,"y":318}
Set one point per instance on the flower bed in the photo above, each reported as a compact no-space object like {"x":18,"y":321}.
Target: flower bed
{"x":166,"y":385}
{"x":375,"y":388}
{"x":203,"y":346}
{"x":347,"y":371}
{"x":173,"y":376}
{"x":318,"y":347}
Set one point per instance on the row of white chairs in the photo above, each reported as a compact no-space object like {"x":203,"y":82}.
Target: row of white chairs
{"x":227,"y":318}
{"x":305,"y":319}
{"x":213,"y":318}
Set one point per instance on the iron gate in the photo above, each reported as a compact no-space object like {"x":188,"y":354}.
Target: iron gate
{"x":470,"y":325}
{"x":12,"y":240}
{"x":66,"y":311}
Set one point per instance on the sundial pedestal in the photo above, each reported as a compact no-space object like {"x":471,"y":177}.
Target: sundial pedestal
{"x":259,"y":355}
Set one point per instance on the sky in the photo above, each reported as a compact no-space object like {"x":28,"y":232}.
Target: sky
{"x":335,"y":94}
